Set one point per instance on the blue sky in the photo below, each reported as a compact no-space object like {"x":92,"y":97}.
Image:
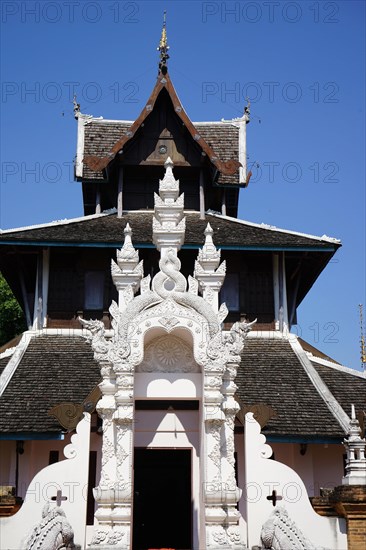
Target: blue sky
{"x":301,"y":63}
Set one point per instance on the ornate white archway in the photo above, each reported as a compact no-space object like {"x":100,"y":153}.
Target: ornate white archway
{"x":143,"y":324}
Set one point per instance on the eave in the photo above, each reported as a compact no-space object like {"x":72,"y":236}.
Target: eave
{"x":94,"y":244}
{"x":30,"y":436}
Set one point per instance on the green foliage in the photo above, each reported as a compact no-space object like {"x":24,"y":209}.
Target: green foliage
{"x":12,"y":321}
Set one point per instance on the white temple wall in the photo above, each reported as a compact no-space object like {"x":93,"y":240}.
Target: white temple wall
{"x":66,"y":480}
{"x":289,"y":454}
{"x":320,"y":466}
{"x":35,"y":458}
{"x":328,"y":465}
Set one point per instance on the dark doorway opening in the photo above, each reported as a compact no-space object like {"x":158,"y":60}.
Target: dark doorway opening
{"x":162,"y":510}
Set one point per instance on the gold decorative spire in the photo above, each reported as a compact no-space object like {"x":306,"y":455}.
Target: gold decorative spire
{"x":362,"y":339}
{"x":163,"y":48}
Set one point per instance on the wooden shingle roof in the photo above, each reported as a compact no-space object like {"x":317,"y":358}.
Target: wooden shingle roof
{"x":53,"y":369}
{"x":345,"y":388}
{"x":108,"y":229}
{"x":3,"y":362}
{"x":271,"y":374}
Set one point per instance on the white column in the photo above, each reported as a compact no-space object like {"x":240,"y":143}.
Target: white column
{"x":45,"y":281}
{"x":38,"y":295}
{"x":120,"y":193}
{"x":276,"y":291}
{"x":223,"y":202}
{"x":202,"y":195}
{"x":284,"y":292}
{"x":243,"y":149}
{"x":98,"y":207}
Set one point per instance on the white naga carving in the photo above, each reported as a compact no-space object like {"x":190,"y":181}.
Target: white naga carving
{"x":281,"y":533}
{"x":52,"y":533}
{"x":168,"y":354}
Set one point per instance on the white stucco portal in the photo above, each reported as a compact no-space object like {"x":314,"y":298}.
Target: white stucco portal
{"x":168,"y":343}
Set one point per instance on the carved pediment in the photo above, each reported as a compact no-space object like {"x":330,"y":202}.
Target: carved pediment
{"x":168,"y":353}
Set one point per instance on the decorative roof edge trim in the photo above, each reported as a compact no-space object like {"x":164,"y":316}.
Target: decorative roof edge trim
{"x":269,"y":334}
{"x":324,"y":238}
{"x":13,"y":363}
{"x":333,"y":405}
{"x":70,"y":332}
{"x":97,"y":163}
{"x":90,"y":119}
{"x":336,"y":366}
{"x":66,"y":221}
{"x":65,"y":332}
{"x":7,"y":353}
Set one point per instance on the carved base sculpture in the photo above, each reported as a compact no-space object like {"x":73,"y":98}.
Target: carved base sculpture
{"x":281,"y":533}
{"x":52,"y":533}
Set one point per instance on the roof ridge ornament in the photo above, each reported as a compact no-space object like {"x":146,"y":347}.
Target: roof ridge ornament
{"x":76,"y":107}
{"x":163,"y":48}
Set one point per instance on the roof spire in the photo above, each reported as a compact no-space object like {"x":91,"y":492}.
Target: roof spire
{"x":163,"y":48}
{"x":76,"y":107}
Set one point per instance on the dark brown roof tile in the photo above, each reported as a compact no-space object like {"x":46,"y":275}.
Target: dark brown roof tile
{"x":54,"y":369}
{"x":108,"y":229}
{"x":270,"y":373}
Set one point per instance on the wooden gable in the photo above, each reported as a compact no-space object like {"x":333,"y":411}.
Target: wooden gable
{"x":162,"y":134}
{"x":163,"y":83}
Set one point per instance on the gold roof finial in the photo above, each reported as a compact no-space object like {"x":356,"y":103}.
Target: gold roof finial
{"x":163,"y":40}
{"x":362,"y":339}
{"x":163,"y":48}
